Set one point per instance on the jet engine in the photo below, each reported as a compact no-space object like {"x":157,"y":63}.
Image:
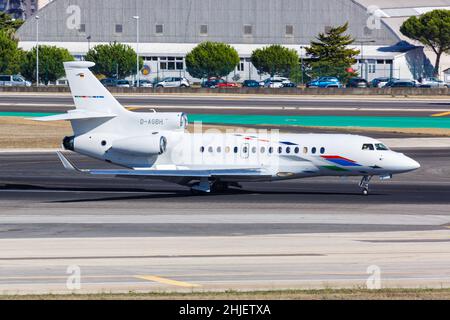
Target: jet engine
{"x":69,"y":143}
{"x":141,"y":146}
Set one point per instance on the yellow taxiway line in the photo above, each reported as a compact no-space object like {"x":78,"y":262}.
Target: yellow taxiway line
{"x":168,"y":281}
{"x":136,"y":108}
{"x":443,"y":114}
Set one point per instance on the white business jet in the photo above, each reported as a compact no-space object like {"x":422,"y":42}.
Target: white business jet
{"x":158,"y":146}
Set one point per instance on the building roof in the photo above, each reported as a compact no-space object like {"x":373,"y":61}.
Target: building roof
{"x":232,"y":21}
{"x":225,"y":21}
{"x":394,"y":13}
{"x":387,"y":4}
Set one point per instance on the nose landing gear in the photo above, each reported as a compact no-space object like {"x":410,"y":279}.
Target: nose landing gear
{"x":364,"y":185}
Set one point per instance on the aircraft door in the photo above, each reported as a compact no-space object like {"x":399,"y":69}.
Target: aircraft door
{"x":245,"y":151}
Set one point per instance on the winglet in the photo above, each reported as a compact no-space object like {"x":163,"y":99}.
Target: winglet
{"x":66,"y":163}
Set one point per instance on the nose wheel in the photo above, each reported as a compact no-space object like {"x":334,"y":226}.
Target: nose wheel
{"x":364,"y":185}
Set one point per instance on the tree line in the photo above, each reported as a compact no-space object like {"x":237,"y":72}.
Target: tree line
{"x":329,"y":54}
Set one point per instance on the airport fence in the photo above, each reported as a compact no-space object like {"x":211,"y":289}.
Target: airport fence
{"x":253,"y":91}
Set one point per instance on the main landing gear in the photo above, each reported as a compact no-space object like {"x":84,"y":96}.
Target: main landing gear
{"x":205,"y":186}
{"x":364,"y":185}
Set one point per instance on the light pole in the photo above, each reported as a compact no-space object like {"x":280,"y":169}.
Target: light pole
{"x":89,"y":42}
{"x":37,"y":51}
{"x":301,"y":58}
{"x":137,"y":51}
{"x":363,"y":62}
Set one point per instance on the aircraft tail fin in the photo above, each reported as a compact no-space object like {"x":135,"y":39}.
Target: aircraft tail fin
{"x":88,"y":92}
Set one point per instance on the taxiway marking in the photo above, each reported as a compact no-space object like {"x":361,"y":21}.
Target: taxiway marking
{"x":168,"y":281}
{"x":443,"y":114}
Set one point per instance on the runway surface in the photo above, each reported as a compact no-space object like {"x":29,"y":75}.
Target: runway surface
{"x":149,"y":235}
{"x":246,"y":105}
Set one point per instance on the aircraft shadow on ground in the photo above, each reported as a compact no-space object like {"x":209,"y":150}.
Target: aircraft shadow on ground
{"x":154,"y":194}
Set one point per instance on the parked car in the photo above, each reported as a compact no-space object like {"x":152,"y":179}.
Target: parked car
{"x":14,"y":81}
{"x":432,"y":83}
{"x":109,"y":82}
{"x":144,"y":83}
{"x":324,"y":82}
{"x":289,"y":85}
{"x":380,"y":82}
{"x":173,"y":82}
{"x":357,"y":83}
{"x":401,"y":84}
{"x":274,"y":82}
{"x":250,"y":84}
{"x":218,"y":83}
{"x":123,"y":83}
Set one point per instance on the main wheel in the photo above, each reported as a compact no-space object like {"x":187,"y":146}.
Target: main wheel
{"x":220,"y":187}
{"x":195,"y":192}
{"x":365,"y":192}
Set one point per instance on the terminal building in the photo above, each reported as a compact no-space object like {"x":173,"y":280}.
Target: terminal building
{"x":169,"y":29}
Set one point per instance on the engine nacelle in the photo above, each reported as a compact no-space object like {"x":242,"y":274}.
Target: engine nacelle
{"x":69,"y":143}
{"x":141,"y":146}
{"x":164,"y":120}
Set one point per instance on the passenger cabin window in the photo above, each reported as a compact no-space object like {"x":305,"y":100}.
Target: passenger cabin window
{"x":313,"y":150}
{"x":381,"y":147}
{"x":368,"y":146}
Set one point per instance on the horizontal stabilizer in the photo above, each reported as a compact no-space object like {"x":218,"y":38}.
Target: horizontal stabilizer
{"x":75,"y":115}
{"x":166,"y":173}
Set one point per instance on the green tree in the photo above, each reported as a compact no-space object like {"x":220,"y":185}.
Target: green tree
{"x":296,"y":75}
{"x":330,"y":54}
{"x":51,"y":66}
{"x":275,"y":60}
{"x":431,"y":29}
{"x":11,"y":55}
{"x":211,"y":59}
{"x":114,"y":60}
{"x":8,"y":24}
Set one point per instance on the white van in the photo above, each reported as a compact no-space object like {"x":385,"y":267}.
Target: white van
{"x":14,"y":81}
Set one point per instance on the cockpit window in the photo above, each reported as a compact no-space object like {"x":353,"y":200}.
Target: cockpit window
{"x":368,"y":146}
{"x":381,"y":147}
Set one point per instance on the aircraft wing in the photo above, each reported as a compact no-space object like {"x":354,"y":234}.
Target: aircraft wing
{"x":215,"y":173}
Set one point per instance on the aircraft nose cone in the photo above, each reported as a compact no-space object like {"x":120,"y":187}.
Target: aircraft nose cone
{"x":411,"y":164}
